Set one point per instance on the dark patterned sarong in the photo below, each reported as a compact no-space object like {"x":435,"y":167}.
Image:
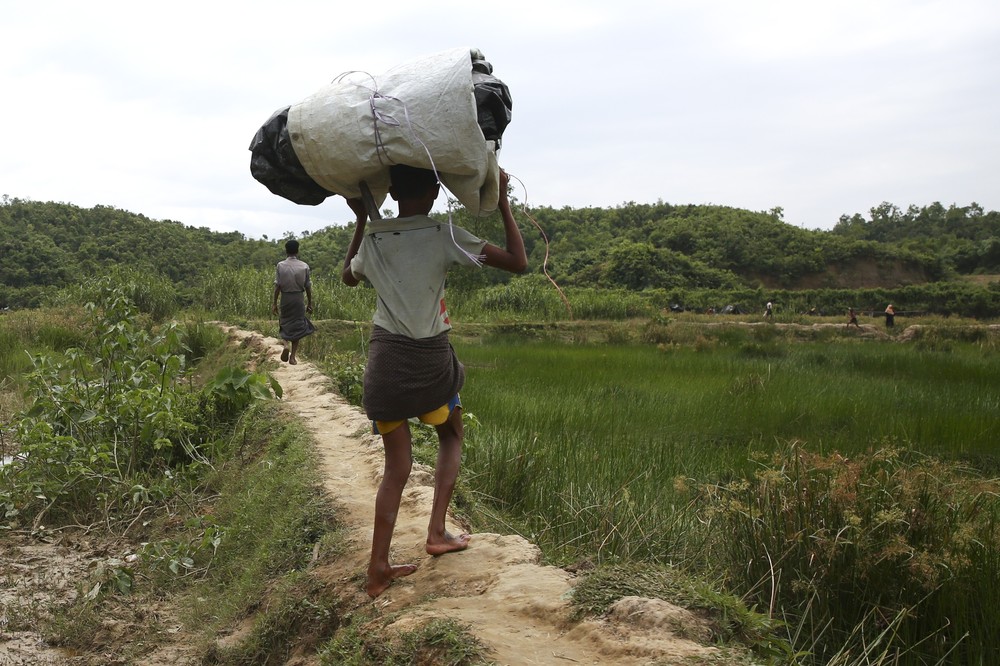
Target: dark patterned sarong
{"x":406,"y":377}
{"x":293,"y":324}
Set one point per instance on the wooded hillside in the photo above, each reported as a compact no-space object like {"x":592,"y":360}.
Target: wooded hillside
{"x":45,"y":245}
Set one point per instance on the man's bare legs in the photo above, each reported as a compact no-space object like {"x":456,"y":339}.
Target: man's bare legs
{"x":450,"y":434}
{"x":398,"y":460}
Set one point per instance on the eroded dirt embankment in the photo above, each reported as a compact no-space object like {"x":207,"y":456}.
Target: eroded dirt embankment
{"x":514,"y":604}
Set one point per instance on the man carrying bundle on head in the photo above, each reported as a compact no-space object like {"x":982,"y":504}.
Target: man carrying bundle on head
{"x":412,"y":370}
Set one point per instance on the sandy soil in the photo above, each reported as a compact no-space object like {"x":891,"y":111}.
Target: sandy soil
{"x":515,"y":605}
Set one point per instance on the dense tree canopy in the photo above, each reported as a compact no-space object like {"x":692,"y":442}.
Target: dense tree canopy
{"x":46,"y":245}
{"x":966,"y":238}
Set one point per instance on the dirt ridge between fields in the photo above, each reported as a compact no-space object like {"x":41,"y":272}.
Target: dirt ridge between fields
{"x":498,"y":587}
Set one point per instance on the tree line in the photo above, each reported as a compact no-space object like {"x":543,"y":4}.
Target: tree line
{"x":45,"y":246}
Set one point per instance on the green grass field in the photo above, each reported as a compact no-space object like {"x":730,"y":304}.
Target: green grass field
{"x":633,"y":417}
{"x":839,"y":481}
{"x":843,"y":483}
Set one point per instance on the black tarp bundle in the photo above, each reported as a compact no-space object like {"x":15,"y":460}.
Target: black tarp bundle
{"x":275,"y":165}
{"x":493,"y":102}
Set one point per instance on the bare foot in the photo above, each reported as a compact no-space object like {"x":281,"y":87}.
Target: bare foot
{"x":379,"y":581}
{"x":292,"y":361}
{"x":284,"y":354}
{"x":449,"y":544}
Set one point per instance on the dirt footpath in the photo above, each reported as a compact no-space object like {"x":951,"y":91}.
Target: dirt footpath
{"x":497,"y":587}
{"x":515,"y":605}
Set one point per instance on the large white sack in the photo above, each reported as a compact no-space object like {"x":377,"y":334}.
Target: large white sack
{"x":422,"y":113}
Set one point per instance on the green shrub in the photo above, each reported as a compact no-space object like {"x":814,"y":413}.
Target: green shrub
{"x":108,"y":420}
{"x":348,"y":376}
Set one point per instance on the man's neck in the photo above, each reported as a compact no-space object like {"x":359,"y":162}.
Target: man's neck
{"x":408,"y":209}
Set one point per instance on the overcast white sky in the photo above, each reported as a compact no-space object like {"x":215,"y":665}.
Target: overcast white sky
{"x":820,"y":108}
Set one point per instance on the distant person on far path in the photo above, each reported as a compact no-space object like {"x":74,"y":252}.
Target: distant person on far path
{"x":291,"y":283}
{"x":890,"y":316}
{"x":852,"y":318}
{"x":769,"y":310}
{"x":412,"y":370}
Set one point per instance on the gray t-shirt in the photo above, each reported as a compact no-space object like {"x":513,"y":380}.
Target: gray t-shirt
{"x":407,"y":259}
{"x":292,"y":275}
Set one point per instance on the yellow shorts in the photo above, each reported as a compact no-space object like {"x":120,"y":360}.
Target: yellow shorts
{"x":434,"y":417}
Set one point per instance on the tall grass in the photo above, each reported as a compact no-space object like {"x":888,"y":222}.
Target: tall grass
{"x":883,"y":548}
{"x":152,"y":294}
{"x":597,"y":453}
{"x":246,"y":293}
{"x":532,"y":298}
{"x":27,"y":332}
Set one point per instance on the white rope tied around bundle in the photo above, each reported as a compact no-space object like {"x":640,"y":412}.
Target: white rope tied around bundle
{"x":380,"y":116}
{"x":545,"y":238}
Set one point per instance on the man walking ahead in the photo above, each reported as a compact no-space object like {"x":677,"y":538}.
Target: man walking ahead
{"x":291,"y":283}
{"x":412,"y":370}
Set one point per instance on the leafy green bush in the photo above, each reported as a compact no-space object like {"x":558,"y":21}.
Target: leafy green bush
{"x":100,"y":419}
{"x":107,"y":420}
{"x":236,"y":388}
{"x":348,"y":375}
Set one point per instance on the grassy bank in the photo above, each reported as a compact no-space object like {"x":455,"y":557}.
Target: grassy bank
{"x":653,"y":440}
{"x":844,"y":484}
{"x":853,"y":471}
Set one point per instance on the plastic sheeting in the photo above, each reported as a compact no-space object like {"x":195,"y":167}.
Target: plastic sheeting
{"x":444,"y":111}
{"x":274,"y":164}
{"x":493,"y":103}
